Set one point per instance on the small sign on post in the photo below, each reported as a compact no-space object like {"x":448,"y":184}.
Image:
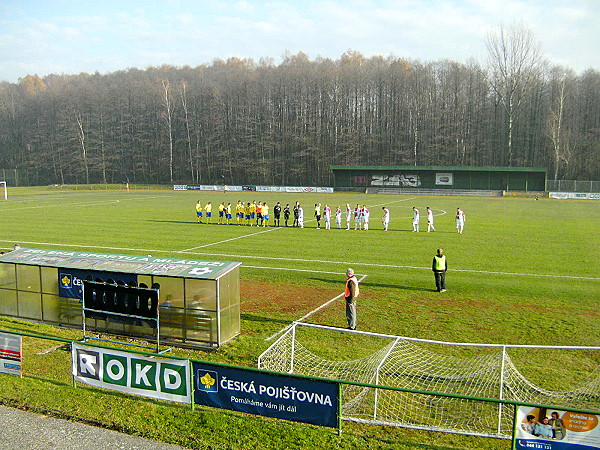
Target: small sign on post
{"x":11,"y":354}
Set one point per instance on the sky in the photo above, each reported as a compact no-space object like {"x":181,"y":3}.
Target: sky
{"x":74,"y":36}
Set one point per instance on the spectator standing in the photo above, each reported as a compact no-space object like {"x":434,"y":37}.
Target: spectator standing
{"x":351,"y":292}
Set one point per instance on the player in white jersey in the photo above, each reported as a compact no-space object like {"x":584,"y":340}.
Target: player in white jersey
{"x":365,"y":217}
{"x":460,"y":220}
{"x":357,"y":217}
{"x":386,"y":218}
{"x":348,"y":216}
{"x":430,"y":226}
{"x":416,"y":219}
{"x":300,"y":216}
{"x":327,"y":217}
{"x":338,"y":217}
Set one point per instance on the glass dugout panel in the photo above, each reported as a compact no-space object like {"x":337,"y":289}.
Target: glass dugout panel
{"x":28,"y":278}
{"x":201,"y":326}
{"x":52,"y":310}
{"x":201,"y":294}
{"x":8,"y":278}
{"x":50,"y":280}
{"x":171,"y":291}
{"x":30,"y":305}
{"x":8,"y":302}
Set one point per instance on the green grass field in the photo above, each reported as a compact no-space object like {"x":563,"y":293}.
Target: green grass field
{"x":523,"y":272}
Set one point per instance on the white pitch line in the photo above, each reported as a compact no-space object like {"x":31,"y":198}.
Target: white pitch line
{"x":228,"y":240}
{"x":306,"y":316}
{"x":292,"y":270}
{"x":394,"y":266}
{"x":274,"y":258}
{"x":270,"y":229}
{"x":106,"y":202}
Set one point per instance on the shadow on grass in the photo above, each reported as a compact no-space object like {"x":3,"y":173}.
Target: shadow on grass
{"x":368,"y":284}
{"x":255,"y":318}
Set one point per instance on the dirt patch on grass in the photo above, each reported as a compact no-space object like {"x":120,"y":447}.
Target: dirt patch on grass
{"x":260,"y":296}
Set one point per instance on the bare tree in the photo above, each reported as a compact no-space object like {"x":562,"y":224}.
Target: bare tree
{"x":168,"y":114}
{"x":184,"y":103}
{"x":81,"y":135}
{"x":514,"y":61}
{"x":561,"y":136}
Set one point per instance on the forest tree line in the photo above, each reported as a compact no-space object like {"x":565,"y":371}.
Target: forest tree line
{"x":244,"y":122}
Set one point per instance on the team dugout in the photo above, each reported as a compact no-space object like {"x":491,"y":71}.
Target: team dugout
{"x":199,"y":301}
{"x":525,"y":179}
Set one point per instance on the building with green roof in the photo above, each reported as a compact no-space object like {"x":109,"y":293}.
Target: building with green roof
{"x":443,"y":178}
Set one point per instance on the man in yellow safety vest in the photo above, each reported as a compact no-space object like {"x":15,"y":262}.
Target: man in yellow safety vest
{"x":439,"y":267}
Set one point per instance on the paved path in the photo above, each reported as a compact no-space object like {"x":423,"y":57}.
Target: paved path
{"x":31,"y":431}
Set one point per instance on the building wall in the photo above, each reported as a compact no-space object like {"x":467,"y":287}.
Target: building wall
{"x":441,"y":179}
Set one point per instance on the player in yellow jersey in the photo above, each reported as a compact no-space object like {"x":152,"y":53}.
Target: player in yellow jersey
{"x":265,"y":214}
{"x":221,"y":213}
{"x":239,"y":212}
{"x":248,"y":212}
{"x":208,"y":209}
{"x":199,"y":211}
{"x":228,"y":213}
{"x":252,"y":212}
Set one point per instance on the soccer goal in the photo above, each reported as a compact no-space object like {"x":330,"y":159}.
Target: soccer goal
{"x":474,"y":370}
{"x":3,"y":184}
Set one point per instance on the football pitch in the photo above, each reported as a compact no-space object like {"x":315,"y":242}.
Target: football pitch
{"x":523,"y":271}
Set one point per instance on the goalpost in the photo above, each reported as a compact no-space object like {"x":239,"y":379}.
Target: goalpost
{"x":476,"y":370}
{"x":3,"y":184}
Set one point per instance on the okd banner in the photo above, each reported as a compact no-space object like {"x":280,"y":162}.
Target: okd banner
{"x":281,"y":396}
{"x":163,"y":379}
{"x":555,"y":429}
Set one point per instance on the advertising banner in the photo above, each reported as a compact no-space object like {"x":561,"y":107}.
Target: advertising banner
{"x":556,"y":430}
{"x":575,"y":195}
{"x":269,"y":395}
{"x":248,"y":188}
{"x":300,"y":189}
{"x":115,"y":266}
{"x":444,"y":179}
{"x":70,"y":281}
{"x":11,"y":354}
{"x":131,"y":373}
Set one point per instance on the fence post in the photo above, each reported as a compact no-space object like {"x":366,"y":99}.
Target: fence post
{"x":385,"y":357}
{"x":339,"y":409}
{"x":501,"y":397}
{"x":293,"y":348}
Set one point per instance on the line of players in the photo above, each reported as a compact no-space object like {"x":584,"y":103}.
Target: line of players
{"x":257,"y":214}
{"x":460,"y":220}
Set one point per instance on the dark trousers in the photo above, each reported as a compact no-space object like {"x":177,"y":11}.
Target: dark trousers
{"x":440,"y":280}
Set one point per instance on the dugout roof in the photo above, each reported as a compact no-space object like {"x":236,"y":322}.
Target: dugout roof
{"x":139,"y":265}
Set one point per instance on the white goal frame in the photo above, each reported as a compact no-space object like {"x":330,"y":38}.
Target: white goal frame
{"x":491,"y":375}
{"x":3,"y":184}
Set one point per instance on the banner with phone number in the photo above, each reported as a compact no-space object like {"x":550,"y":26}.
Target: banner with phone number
{"x":572,"y":430}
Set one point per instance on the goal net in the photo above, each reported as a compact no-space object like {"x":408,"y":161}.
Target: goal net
{"x":474,"y":370}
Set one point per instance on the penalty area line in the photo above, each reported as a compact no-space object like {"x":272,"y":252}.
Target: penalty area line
{"x":306,"y":316}
{"x":228,"y":240}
